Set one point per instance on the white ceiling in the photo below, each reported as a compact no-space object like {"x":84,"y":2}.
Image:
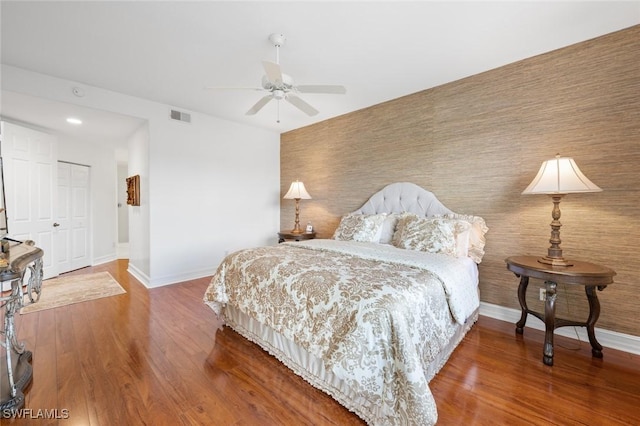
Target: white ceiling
{"x":168,"y":51}
{"x":97,"y":126}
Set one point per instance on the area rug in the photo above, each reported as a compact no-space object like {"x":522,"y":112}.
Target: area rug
{"x":72,"y":289}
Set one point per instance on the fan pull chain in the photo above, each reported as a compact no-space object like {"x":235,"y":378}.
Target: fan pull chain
{"x":278,"y":107}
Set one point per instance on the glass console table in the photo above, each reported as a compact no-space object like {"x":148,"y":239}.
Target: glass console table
{"x":22,"y":263}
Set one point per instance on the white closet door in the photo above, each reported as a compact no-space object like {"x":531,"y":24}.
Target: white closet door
{"x":73,"y":233}
{"x":30,"y":172}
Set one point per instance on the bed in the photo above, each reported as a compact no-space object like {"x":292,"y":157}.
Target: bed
{"x":370,"y":315}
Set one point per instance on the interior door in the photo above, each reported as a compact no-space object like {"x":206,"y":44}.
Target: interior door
{"x":29,"y":159}
{"x":73,"y":230}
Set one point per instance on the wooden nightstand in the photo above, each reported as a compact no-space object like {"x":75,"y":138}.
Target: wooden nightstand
{"x":288,"y":236}
{"x":590,"y":275}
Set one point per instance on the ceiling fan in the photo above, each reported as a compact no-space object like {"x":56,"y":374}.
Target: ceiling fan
{"x":281,"y":86}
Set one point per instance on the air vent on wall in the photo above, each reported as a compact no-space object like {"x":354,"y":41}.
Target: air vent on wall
{"x":180,"y":116}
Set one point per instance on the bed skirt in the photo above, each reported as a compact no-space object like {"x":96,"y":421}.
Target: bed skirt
{"x":312,"y":369}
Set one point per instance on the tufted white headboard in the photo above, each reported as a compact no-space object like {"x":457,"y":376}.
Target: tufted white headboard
{"x":402,"y":197}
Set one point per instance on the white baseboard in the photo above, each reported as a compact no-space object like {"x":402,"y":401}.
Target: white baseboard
{"x":169,"y":279}
{"x":607,"y":338}
{"x":103,"y":259}
{"x":173,"y":279}
{"x":138,"y":275}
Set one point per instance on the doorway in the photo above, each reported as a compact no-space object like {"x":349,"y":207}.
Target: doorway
{"x":123,"y":212}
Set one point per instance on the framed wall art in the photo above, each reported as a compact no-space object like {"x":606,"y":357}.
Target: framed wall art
{"x":133,"y":190}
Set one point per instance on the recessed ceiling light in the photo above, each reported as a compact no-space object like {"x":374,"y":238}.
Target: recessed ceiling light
{"x":73,"y":120}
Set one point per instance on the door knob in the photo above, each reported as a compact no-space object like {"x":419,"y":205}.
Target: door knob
{"x":56,"y":224}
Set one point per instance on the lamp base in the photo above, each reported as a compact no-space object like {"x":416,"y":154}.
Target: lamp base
{"x":296,"y":227}
{"x":554,"y":253}
{"x":555,"y":261}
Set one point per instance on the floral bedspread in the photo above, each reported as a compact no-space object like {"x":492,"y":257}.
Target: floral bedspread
{"x":374,"y":315}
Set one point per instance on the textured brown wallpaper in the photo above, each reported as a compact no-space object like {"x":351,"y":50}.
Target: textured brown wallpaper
{"x":478,"y":142}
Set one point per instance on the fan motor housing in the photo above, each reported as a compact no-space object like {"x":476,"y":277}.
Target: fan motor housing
{"x":277,"y":39}
{"x":286,"y":84}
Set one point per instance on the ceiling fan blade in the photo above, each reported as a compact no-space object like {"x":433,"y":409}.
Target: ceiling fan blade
{"x":258,"y":106}
{"x":258,"y":89}
{"x":302,"y":105}
{"x":273,"y":71}
{"x":322,"y":88}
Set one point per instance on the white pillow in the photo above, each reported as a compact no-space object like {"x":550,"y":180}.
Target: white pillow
{"x":360,"y":227}
{"x":477,"y":233}
{"x":388,"y":228}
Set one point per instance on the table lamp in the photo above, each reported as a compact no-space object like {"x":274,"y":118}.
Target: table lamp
{"x":297,"y":192}
{"x":556,"y":178}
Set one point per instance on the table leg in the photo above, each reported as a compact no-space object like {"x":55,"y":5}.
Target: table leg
{"x":594,"y":313}
{"x":522,"y":298}
{"x":549,"y":321}
{"x":10,"y":342}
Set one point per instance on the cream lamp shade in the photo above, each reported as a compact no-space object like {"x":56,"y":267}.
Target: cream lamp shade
{"x":558,"y":177}
{"x":297,"y":192}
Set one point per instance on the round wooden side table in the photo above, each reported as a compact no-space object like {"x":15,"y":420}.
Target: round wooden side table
{"x":590,"y":275}
{"x":289,"y":236}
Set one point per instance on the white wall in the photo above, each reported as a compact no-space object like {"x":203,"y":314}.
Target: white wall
{"x":212,"y":186}
{"x":139,"y":238}
{"x":219,"y":185}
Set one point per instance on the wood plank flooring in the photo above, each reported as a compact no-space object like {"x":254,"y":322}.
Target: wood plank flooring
{"x":155,"y":357}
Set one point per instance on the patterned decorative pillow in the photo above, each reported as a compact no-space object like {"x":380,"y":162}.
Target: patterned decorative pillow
{"x":403,"y":219}
{"x":360,"y":227}
{"x":432,"y":234}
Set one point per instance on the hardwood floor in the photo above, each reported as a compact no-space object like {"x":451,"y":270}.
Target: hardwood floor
{"x":155,"y":357}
